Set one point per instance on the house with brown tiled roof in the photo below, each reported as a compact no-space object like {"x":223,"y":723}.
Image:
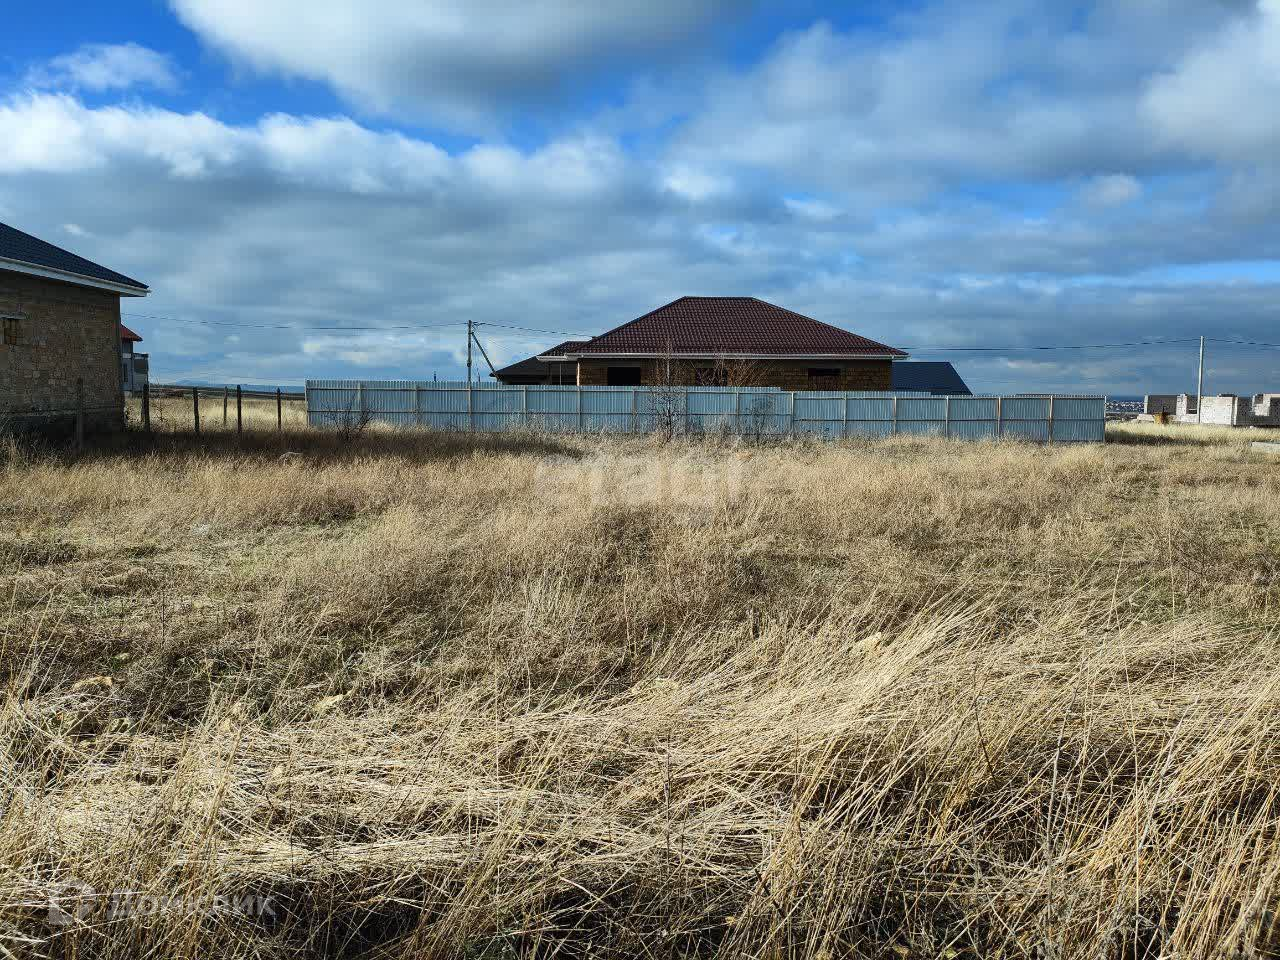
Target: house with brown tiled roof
{"x":739,"y":341}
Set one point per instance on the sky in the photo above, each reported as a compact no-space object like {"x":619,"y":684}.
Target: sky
{"x":934,"y":175}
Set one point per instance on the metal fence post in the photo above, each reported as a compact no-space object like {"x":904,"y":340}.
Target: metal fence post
{"x":894,"y":429}
{"x":226,"y":393}
{"x":195,"y":408}
{"x":524,"y":407}
{"x":999,"y":417}
{"x":239,"y":410}
{"x":635,"y":423}
{"x":279,"y":412}
{"x":1051,"y":419}
{"x":946,"y":418}
{"x":844,"y":427}
{"x":471,"y":409}
{"x":579,"y":408}
{"x":146,"y":407}
{"x":791,"y":414}
{"x":417,"y":404}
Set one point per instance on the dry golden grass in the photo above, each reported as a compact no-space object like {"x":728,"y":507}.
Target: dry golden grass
{"x":443,"y":696}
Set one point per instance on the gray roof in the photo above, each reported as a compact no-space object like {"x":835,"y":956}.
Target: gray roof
{"x":924,"y":376}
{"x":16,"y":245}
{"x":532,"y":366}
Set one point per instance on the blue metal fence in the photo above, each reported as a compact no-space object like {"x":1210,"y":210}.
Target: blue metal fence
{"x":488,"y":408}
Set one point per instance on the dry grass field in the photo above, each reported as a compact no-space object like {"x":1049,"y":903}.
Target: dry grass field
{"x":448,"y":696}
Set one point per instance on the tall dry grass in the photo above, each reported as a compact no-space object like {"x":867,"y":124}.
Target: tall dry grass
{"x":431,"y":695}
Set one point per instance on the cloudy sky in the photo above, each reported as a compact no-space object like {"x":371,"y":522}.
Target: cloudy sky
{"x":936,"y":175}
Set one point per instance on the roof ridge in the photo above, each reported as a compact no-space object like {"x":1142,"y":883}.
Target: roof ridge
{"x":738,"y":324}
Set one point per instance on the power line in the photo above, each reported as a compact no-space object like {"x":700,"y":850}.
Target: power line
{"x":558,"y":333}
{"x":1061,"y":346}
{"x":294,"y":326}
{"x":1243,"y":343}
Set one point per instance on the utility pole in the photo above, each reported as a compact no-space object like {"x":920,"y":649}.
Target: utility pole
{"x":1200,"y":385}
{"x":470,"y":334}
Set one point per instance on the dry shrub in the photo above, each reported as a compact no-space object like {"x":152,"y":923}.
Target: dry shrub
{"x":450,"y":696}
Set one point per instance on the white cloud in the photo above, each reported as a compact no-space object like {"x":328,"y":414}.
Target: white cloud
{"x":695,"y":185}
{"x":1111,"y":190}
{"x":457,"y":60}
{"x":100,"y":66}
{"x":1221,"y":98}
{"x":812,"y":210}
{"x":953,"y":93}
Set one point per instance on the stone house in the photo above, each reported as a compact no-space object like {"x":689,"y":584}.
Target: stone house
{"x":708,"y":341}
{"x":60,"y":347}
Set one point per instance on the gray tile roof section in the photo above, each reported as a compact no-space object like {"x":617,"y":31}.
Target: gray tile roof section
{"x":16,"y":245}
{"x":924,"y":376}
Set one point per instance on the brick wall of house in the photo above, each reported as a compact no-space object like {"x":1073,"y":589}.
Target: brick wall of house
{"x":64,"y":333}
{"x":784,"y":374}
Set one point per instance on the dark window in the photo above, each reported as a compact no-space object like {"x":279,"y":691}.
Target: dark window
{"x":622,"y":376}
{"x":824,"y":378}
{"x":11,"y":328}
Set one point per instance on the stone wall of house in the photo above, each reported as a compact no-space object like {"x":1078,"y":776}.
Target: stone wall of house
{"x":784,"y":374}
{"x":64,"y":333}
{"x":1220,"y":411}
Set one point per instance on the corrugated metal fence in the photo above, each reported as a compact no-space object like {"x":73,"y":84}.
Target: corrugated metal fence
{"x":447,"y":405}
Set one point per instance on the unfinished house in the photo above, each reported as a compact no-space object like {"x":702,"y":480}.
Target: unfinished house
{"x":1224,"y":410}
{"x":1228,"y":410}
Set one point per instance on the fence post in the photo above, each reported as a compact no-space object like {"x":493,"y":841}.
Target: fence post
{"x":737,"y":411}
{"x":635,"y":421}
{"x":999,"y":417}
{"x":1050,"y":419}
{"x":195,"y":408}
{"x":239,"y":410}
{"x":360,"y":401}
{"x":279,"y":412}
{"x":471,"y":409}
{"x":524,"y":407}
{"x":226,"y":393}
{"x":79,"y":414}
{"x":791,"y":415}
{"x":844,"y":428}
{"x":417,"y":404}
{"x":946,"y":419}
{"x":579,"y":408}
{"x":895,"y":416}
{"x":146,"y":406}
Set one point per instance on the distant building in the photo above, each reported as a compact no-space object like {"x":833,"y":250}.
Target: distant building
{"x":703,"y":341}
{"x":923,"y":376}
{"x":1224,"y":410}
{"x":134,"y":366}
{"x":59,"y":334}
